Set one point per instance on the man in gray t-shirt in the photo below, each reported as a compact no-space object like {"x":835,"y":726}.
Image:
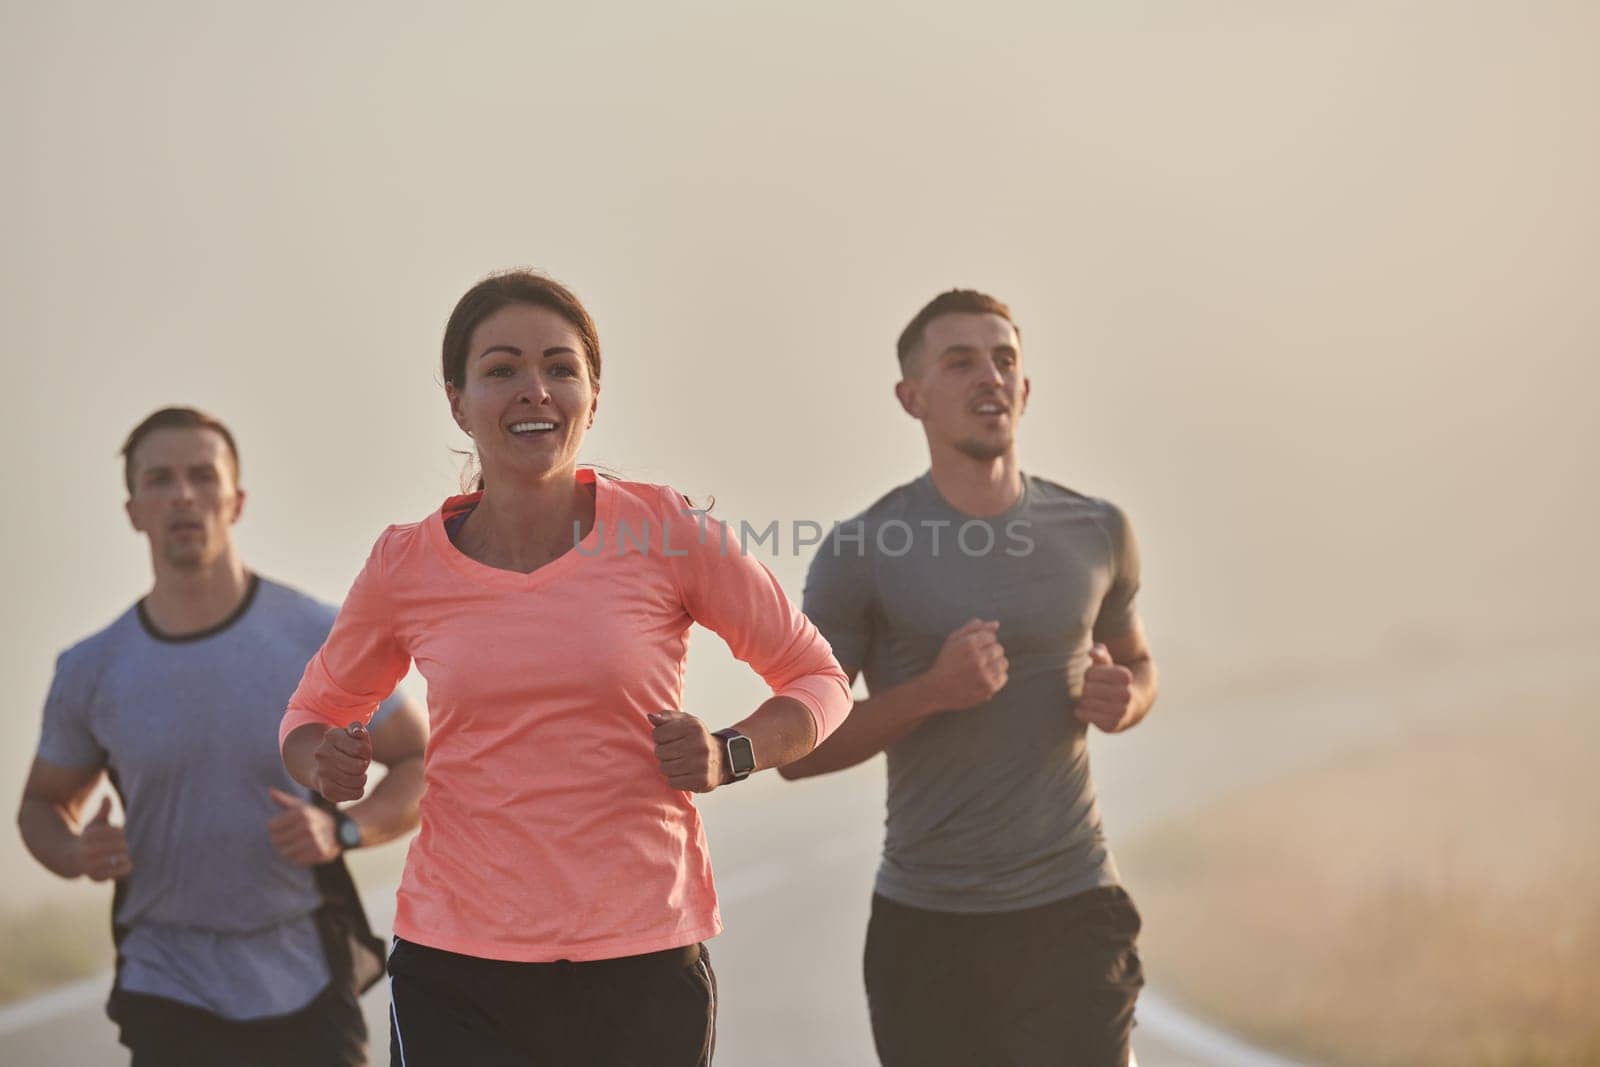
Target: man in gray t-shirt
{"x":239,"y":939}
{"x":992,"y":614}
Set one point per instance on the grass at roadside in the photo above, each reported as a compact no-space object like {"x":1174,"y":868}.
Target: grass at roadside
{"x":1433,"y":903}
{"x":48,"y":945}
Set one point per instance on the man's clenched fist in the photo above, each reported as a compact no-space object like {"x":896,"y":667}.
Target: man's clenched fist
{"x":102,"y":848}
{"x":1107,"y":700}
{"x":303,"y":833}
{"x":972,"y":667}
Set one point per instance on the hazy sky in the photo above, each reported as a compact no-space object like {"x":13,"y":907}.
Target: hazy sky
{"x":1308,"y":289}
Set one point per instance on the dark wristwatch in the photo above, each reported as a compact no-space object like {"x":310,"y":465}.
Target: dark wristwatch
{"x":738,"y":754}
{"x":347,"y":830}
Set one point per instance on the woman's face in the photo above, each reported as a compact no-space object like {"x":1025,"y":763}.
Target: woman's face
{"x":527,"y":397}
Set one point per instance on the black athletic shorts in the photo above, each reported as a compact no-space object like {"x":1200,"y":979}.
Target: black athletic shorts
{"x":1053,"y":985}
{"x":328,"y":1032}
{"x":450,"y":1010}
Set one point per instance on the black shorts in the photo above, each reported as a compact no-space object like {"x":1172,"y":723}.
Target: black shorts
{"x":1051,"y":985}
{"x":450,"y":1010}
{"x":328,"y":1032}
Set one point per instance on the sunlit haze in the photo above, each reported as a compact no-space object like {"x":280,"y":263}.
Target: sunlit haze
{"x":1310,"y":293}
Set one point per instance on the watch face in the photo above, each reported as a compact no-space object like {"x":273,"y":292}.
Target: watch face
{"x":741,"y":756}
{"x":349,"y":832}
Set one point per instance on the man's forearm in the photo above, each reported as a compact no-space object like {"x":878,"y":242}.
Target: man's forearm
{"x":867,"y":731}
{"x":51,"y":834}
{"x":1144,"y":687}
{"x":391,"y":808}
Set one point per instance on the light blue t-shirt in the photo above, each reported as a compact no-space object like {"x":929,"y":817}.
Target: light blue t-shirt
{"x":991,"y":808}
{"x":188,"y":726}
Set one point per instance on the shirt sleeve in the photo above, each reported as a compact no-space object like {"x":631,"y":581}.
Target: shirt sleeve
{"x":67,"y":737}
{"x":838,"y":595}
{"x":325,"y":614}
{"x":730,"y":593}
{"x":1118,"y":612}
{"x":360,"y":663}
{"x":393,"y":702}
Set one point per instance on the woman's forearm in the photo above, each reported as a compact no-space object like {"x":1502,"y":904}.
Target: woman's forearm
{"x":780,"y":730}
{"x":298,"y":753}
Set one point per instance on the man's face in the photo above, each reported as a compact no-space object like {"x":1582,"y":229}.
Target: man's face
{"x":185,"y":495}
{"x":965,"y":383}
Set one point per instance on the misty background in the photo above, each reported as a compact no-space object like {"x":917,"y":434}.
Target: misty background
{"x":1308,"y":290}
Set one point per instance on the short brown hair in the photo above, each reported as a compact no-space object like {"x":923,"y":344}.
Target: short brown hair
{"x":503,"y":290}
{"x":950,"y":302}
{"x":175,"y":419}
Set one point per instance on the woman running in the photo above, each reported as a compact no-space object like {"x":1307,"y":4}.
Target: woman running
{"x":555,"y":899}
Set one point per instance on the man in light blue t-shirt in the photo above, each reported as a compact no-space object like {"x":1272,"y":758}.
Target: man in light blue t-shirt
{"x":992,"y":614}
{"x":240,"y":939}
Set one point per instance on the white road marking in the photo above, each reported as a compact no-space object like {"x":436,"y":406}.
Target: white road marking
{"x":1177,"y":1027}
{"x":65,"y":1000}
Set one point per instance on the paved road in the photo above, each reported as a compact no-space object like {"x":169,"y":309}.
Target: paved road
{"x":795,"y":861}
{"x":795,"y":866}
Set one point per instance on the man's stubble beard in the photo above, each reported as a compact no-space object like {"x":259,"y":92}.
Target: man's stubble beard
{"x":985,"y":451}
{"x":186,"y":559}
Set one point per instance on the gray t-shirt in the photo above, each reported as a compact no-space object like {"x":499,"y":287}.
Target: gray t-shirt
{"x":989,"y":809}
{"x":216,"y":917}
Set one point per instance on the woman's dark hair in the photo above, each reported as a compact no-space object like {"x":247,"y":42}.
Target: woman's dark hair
{"x":502,"y":290}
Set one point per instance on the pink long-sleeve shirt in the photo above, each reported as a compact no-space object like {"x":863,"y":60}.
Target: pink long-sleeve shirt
{"x":548,"y":831}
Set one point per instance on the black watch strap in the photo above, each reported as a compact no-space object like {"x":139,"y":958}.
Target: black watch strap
{"x":738,"y":754}
{"x":347,"y":830}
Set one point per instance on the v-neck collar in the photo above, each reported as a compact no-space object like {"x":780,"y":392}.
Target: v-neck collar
{"x":484,"y":574}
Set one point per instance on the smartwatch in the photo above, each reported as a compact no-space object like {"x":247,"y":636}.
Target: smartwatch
{"x":347,"y":830}
{"x":738,"y":754}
